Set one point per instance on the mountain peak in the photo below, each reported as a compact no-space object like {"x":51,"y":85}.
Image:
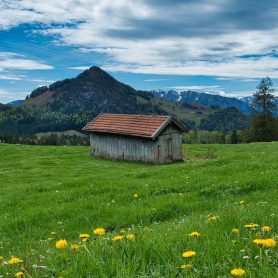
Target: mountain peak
{"x":94,"y":70}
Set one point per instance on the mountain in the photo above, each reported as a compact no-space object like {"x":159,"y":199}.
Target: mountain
{"x":16,"y":102}
{"x":225,"y":120}
{"x":69,"y":104}
{"x":203,"y":99}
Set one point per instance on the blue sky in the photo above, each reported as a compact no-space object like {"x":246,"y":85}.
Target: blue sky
{"x":217,"y":46}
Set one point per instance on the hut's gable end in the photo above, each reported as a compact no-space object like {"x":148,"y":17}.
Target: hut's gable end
{"x":169,"y":144}
{"x":171,"y":128}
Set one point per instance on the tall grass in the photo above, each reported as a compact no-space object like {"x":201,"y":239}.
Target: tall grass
{"x":63,"y":190}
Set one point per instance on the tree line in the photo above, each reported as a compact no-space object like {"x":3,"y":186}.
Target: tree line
{"x":50,"y":139}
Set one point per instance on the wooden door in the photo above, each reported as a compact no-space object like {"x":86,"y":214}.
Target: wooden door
{"x":169,"y":148}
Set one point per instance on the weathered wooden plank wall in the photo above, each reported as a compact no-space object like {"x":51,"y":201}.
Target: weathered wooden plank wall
{"x":122,"y":147}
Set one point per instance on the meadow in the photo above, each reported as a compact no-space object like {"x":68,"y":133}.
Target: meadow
{"x":49,"y":194}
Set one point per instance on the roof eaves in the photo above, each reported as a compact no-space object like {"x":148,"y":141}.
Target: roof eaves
{"x":85,"y":127}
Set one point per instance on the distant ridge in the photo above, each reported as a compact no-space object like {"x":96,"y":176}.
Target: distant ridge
{"x":203,"y":99}
{"x":16,"y":102}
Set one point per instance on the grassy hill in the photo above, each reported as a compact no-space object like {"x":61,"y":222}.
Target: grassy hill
{"x":53,"y":193}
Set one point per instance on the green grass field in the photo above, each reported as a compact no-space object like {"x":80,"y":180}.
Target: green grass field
{"x":52,"y":193}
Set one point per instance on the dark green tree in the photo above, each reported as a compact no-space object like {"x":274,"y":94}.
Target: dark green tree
{"x":234,"y":137}
{"x":264,"y":125}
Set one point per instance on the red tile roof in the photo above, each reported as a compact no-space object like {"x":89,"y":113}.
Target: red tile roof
{"x":134,"y":125}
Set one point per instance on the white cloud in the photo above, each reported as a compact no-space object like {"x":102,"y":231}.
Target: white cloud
{"x":79,"y":67}
{"x":42,"y":80}
{"x":200,"y":87}
{"x":14,"y":61}
{"x":193,"y":38}
{"x":8,"y":96}
{"x":9,"y":77}
{"x":156,"y":79}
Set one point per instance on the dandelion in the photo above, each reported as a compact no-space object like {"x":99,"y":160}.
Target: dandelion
{"x":194,"y":234}
{"x":186,"y":266}
{"x":118,"y":238}
{"x":74,"y":247}
{"x":15,"y":260}
{"x":99,"y":231}
{"x":122,"y":231}
{"x":268,"y":242}
{"x":19,"y":274}
{"x":266,"y":229}
{"x":212,"y":218}
{"x":130,"y":237}
{"x":238,"y":272}
{"x":189,"y":254}
{"x":62,"y":243}
{"x":251,"y":226}
{"x":235,"y":230}
{"x":84,"y":236}
{"x":135,"y":195}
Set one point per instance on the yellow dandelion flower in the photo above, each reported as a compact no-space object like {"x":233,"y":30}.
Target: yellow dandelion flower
{"x":251,"y":226}
{"x":15,"y":260}
{"x":135,"y":195}
{"x":130,"y":237}
{"x":268,"y":242}
{"x":74,"y":247}
{"x":186,"y":266}
{"x":19,"y":274}
{"x":122,"y":231}
{"x":194,"y":234}
{"x":84,"y":236}
{"x":118,"y":238}
{"x":50,"y":238}
{"x":266,"y":229}
{"x":212,"y":218}
{"x":238,"y":272}
{"x":62,"y":243}
{"x":235,"y":230}
{"x":189,"y":254}
{"x":99,"y":231}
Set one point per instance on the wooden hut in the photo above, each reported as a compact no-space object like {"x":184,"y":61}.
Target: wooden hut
{"x":156,"y":139}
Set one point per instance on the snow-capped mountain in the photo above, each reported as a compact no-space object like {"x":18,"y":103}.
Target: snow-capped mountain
{"x":243,"y":105}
